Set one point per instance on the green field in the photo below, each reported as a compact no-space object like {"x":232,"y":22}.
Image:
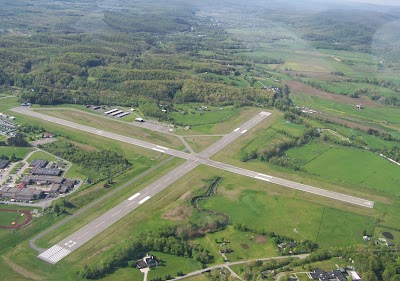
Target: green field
{"x":196,"y":118}
{"x":41,"y":155}
{"x":355,"y":166}
{"x":19,"y":152}
{"x":6,"y":218}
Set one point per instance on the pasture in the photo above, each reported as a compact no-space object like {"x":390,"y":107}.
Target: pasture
{"x":355,"y":166}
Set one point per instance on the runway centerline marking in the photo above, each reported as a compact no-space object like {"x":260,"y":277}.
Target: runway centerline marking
{"x":237,"y":129}
{"x":116,"y":213}
{"x":244,"y":131}
{"x":260,"y":178}
{"x":100,"y":223}
{"x":82,"y":235}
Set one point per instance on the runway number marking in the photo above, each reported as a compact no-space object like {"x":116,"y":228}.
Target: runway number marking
{"x":70,"y":243}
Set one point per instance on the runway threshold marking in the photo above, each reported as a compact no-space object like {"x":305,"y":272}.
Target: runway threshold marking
{"x":144,"y":199}
{"x":237,"y":129}
{"x":159,"y":150}
{"x":133,"y":196}
{"x":162,"y":147}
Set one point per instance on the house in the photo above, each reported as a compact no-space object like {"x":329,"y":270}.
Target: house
{"x":334,"y":275}
{"x":148,"y":261}
{"x":284,"y":245}
{"x":4,"y":164}
{"x":48,"y":135}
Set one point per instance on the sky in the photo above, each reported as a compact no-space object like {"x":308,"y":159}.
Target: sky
{"x":381,"y":2}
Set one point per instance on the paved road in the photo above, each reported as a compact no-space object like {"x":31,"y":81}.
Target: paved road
{"x":226,"y":265}
{"x":72,"y":242}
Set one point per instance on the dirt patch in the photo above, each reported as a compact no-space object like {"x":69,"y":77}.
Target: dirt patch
{"x":244,"y":246}
{"x":26,"y":214}
{"x":21,"y":270}
{"x":186,"y":196}
{"x":179,"y":213}
{"x":260,"y":239}
{"x":299,"y":87}
{"x":388,"y":235}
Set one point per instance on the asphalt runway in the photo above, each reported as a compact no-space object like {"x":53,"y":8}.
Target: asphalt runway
{"x":80,"y":237}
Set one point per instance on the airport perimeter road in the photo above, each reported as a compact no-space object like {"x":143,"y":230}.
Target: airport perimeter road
{"x":87,"y":232}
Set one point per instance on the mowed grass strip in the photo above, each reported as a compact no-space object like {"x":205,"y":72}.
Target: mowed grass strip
{"x":110,"y":125}
{"x":200,"y":143}
{"x":357,"y":166}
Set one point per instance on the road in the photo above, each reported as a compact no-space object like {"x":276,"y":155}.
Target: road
{"x":72,"y":242}
{"x":226,"y":265}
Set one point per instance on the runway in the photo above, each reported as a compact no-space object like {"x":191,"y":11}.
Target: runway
{"x":72,"y":242}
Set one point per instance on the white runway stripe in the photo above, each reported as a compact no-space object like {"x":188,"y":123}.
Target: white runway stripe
{"x":133,"y":196}
{"x":159,"y":150}
{"x":144,"y":199}
{"x":263,"y":179}
{"x":162,"y":147}
{"x":237,"y":129}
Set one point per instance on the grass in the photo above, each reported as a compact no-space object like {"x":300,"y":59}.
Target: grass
{"x":118,"y":127}
{"x":19,"y":152}
{"x":200,"y":143}
{"x":356,"y":166}
{"x":196,"y":118}
{"x":225,"y":126}
{"x":41,"y":155}
{"x":6,"y":218}
{"x":8,"y":103}
{"x":388,"y":117}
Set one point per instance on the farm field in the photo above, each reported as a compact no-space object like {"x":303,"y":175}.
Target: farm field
{"x":386,"y":117}
{"x":339,"y":164}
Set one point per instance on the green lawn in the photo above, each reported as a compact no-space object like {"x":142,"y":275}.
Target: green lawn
{"x":6,"y":218}
{"x":356,"y":166}
{"x":41,"y":155}
{"x":20,"y":152}
{"x":194,"y":117}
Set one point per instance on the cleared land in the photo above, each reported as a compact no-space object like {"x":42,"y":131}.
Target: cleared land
{"x":199,"y":143}
{"x":113,"y":126}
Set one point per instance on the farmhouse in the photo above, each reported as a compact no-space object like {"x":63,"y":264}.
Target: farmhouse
{"x":147,"y":261}
{"x":4,"y":164}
